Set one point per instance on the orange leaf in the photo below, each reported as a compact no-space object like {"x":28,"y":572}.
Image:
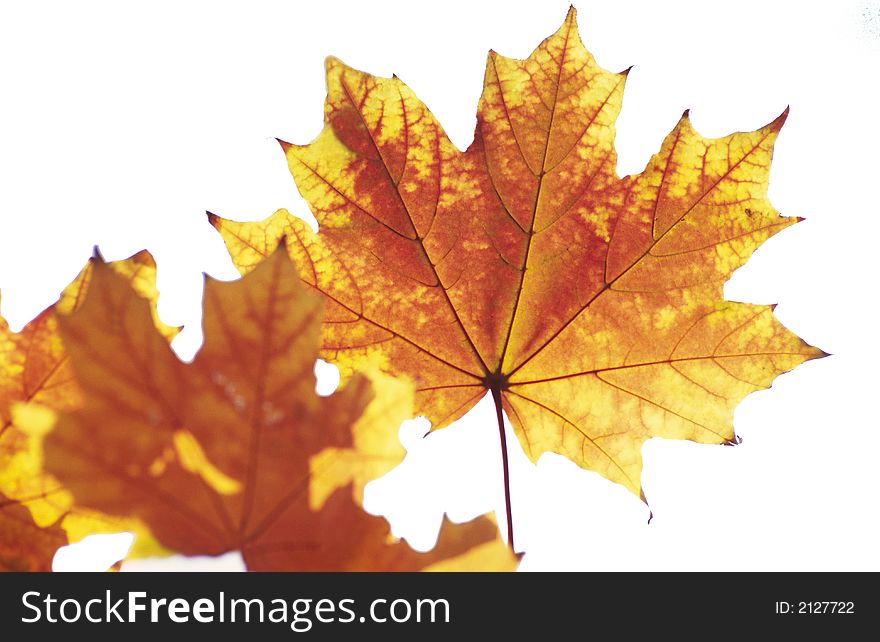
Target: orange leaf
{"x":215,"y":456}
{"x":35,"y":371}
{"x":591,"y":306}
{"x":24,"y":546}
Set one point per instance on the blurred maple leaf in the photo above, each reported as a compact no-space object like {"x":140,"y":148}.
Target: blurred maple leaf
{"x":590,"y":306}
{"x":223,"y":454}
{"x":36,"y":381}
{"x":24,"y":546}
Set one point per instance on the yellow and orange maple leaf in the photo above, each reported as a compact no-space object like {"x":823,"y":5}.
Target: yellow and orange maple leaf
{"x":36,"y":381}
{"x":589,"y":305}
{"x":225,"y":453}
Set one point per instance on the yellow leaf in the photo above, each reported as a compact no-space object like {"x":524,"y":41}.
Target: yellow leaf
{"x":590,"y":306}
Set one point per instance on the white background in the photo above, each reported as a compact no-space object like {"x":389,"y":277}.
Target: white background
{"x":121,"y":123}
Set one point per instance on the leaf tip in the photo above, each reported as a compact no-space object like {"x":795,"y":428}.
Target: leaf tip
{"x":330,"y":63}
{"x":97,"y":257}
{"x":736,"y":440}
{"x":626,"y":71}
{"x":213,"y":219}
{"x":284,"y":145}
{"x":144,"y":257}
{"x":776,"y":125}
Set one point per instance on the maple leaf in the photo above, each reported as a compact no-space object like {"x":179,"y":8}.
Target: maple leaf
{"x":36,"y":380}
{"x":590,"y":306}
{"x":24,"y":546}
{"x":216,"y":456}
{"x":33,"y":363}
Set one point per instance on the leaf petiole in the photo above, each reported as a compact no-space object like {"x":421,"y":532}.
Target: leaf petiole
{"x":496,"y":397}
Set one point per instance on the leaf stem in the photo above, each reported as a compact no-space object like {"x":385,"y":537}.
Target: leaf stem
{"x":496,"y":396}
